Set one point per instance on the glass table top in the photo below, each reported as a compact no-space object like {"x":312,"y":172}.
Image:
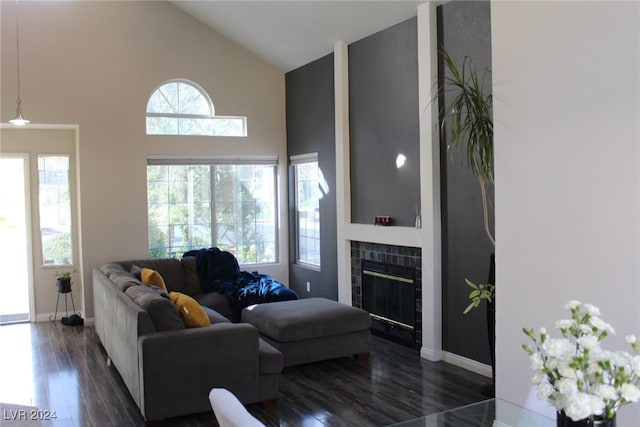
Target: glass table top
{"x":488,"y":413}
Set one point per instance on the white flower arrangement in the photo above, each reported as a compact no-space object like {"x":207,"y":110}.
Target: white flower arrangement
{"x":575,"y":374}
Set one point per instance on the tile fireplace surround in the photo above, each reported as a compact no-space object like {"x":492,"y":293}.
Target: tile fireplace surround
{"x":404,"y":256}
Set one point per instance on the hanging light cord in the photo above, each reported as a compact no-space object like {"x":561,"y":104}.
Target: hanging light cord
{"x":19,"y":120}
{"x":18,"y":100}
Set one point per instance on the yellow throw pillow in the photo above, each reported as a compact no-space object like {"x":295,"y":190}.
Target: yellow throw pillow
{"x":152,"y":277}
{"x":192,"y":313}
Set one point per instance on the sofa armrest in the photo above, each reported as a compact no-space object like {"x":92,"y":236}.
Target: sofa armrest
{"x":179,"y":368}
{"x":119,"y":322}
{"x":271,"y":360}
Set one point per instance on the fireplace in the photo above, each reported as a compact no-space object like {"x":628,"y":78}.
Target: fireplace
{"x":386,"y":281}
{"x":388,"y":294}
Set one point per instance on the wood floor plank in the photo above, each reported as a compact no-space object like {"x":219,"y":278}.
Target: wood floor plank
{"x":67,"y":372}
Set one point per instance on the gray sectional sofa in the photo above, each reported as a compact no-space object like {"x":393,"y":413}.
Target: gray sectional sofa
{"x":169,"y":369}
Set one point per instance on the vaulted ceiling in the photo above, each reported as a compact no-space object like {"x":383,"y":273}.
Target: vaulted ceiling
{"x":289,"y":34}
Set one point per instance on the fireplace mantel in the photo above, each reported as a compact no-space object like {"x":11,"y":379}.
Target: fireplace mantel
{"x":391,"y":235}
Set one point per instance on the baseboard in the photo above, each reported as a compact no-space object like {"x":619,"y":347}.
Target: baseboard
{"x":468,"y":364}
{"x":46,"y":317}
{"x":430,"y":354}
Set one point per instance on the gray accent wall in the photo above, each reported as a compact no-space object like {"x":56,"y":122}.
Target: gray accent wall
{"x":383,"y":120}
{"x":311,"y":128}
{"x":464,"y":30}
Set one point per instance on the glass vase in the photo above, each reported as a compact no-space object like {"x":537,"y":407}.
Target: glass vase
{"x":562,"y":420}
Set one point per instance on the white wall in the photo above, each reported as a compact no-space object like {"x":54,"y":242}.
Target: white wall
{"x":566,"y":91}
{"x":95,"y":64}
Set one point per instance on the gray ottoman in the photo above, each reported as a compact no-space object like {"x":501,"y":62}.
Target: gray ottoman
{"x":312,"y":329}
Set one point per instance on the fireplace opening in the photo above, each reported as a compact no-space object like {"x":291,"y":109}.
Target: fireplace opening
{"x":389,"y":295}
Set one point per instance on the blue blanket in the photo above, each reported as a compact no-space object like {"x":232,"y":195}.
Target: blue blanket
{"x":219,"y":271}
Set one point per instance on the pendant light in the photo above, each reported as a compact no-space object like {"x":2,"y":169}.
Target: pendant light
{"x":19,"y":120}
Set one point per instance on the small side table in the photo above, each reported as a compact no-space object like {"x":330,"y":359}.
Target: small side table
{"x":66,"y":290}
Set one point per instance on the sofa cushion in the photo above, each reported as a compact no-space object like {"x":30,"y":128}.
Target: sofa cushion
{"x":214,"y":316}
{"x":169,"y":268}
{"x":152,"y":277}
{"x":191,"y":279}
{"x":296,"y":320}
{"x":218,"y":302}
{"x":136,"y":270}
{"x":192,"y":313}
{"x":156,"y":302}
{"x":123,"y":280}
{"x":111,"y":267}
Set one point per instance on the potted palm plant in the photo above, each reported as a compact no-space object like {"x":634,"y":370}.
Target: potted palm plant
{"x":469,"y":122}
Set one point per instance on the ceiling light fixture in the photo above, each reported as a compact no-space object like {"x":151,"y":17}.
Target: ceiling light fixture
{"x":19,"y":120}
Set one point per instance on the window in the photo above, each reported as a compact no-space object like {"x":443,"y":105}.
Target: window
{"x":307,"y":181}
{"x":202,"y":203}
{"x":55,"y":209}
{"x":180,"y":107}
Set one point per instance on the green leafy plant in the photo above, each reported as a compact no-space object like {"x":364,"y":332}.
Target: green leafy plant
{"x":469,"y":120}
{"x":65,"y":274}
{"x":478,"y":293}
{"x":470,"y":116}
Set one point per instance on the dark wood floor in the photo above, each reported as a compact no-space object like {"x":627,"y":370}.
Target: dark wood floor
{"x":63,"y":369}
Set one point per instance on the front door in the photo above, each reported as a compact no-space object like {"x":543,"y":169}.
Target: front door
{"x":15,"y":248}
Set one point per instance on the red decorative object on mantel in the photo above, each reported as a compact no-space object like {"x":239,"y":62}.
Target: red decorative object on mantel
{"x":382,"y":220}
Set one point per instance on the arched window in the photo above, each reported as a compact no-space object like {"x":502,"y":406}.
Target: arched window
{"x":181,"y":107}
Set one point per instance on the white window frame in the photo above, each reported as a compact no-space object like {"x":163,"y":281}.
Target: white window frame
{"x":228,"y":160}
{"x":179,"y":117}
{"x":296,"y":161}
{"x":64,"y":210}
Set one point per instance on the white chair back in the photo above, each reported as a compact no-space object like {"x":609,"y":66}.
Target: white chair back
{"x":229,"y":411}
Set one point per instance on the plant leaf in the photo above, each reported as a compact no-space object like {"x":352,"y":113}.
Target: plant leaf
{"x":471,"y":284}
{"x":469,"y":307}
